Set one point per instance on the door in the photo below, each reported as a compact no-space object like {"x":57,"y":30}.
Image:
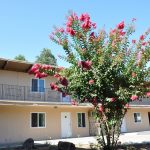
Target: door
{"x":66,"y":124}
{"x":123,"y":126}
{"x":149,"y":117}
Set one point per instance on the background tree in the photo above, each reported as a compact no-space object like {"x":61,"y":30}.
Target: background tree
{"x":46,"y":57}
{"x":108,"y":70}
{"x":20,"y":57}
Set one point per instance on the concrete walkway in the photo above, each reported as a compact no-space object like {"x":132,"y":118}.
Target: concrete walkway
{"x":125,"y":138}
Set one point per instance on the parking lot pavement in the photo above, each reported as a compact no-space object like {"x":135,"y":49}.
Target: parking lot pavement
{"x":125,"y":138}
{"x":135,"y":137}
{"x":77,"y":141}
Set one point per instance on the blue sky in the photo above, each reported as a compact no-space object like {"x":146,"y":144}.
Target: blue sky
{"x":26,"y":24}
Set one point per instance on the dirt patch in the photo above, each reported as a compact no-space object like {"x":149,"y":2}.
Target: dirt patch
{"x":144,"y":146}
{"x":53,"y":147}
{"x":42,"y":147}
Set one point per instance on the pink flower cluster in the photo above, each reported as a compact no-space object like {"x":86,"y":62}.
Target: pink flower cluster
{"x":73,"y":102}
{"x":58,"y":30}
{"x":94,"y":101}
{"x":133,"y":41}
{"x":142,"y":37}
{"x":37,"y":68}
{"x":134,"y":97}
{"x":148,"y":94}
{"x":85,"y":64}
{"x":69,"y":24}
{"x":86,"y":23}
{"x":122,"y":33}
{"x":92,"y":35}
{"x":54,"y":87}
{"x":62,"y":80}
{"x":120,"y":26}
{"x":127,"y":105}
{"x":115,"y":32}
{"x":56,"y":75}
{"x":91,"y":81}
{"x":139,"y":57}
{"x":39,"y":72}
{"x":100,"y":108}
{"x":112,"y":99}
{"x":118,"y":30}
{"x":46,"y":67}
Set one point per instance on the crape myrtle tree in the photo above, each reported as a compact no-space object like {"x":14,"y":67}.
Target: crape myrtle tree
{"x":108,"y":70}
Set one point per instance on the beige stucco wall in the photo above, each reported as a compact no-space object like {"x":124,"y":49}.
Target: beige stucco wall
{"x":20,"y":78}
{"x":23,"y":91}
{"x":15,"y":123}
{"x":139,"y":126}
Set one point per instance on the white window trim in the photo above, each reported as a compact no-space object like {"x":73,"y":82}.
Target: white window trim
{"x":134,"y":118}
{"x":31,"y":120}
{"x":38,"y":86}
{"x":85,"y":120}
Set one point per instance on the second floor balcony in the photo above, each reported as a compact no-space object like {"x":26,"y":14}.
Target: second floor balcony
{"x":25,"y":93}
{"x":29,"y":94}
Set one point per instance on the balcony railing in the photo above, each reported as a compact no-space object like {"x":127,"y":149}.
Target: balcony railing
{"x":24,"y":93}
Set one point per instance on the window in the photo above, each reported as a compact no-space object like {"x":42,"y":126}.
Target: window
{"x":37,"y":119}
{"x":66,"y":98}
{"x":137,"y":117}
{"x":38,"y":85}
{"x":81,"y":119}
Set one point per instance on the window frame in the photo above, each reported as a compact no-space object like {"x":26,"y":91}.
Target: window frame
{"x":136,"y":116}
{"x":81,"y":119}
{"x":68,"y":97}
{"x":38,"y":91}
{"x":37,"y":119}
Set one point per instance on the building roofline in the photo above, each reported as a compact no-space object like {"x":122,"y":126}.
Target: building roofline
{"x":139,"y":106}
{"x":37,"y":103}
{"x":16,"y":65}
